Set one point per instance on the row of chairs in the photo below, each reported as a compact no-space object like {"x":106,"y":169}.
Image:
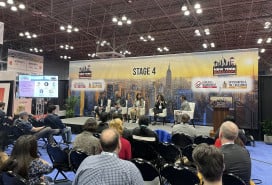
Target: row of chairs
{"x":177,"y":175}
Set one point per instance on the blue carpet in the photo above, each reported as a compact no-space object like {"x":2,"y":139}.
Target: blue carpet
{"x":261,"y":157}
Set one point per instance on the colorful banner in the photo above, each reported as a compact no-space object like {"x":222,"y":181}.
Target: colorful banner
{"x":196,"y":75}
{"x":4,"y":93}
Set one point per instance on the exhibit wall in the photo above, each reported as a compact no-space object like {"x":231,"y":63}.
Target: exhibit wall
{"x":198,"y":76}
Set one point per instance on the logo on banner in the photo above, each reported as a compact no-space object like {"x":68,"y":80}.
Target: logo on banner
{"x":225,"y":67}
{"x":206,"y":84}
{"x":85,"y":72}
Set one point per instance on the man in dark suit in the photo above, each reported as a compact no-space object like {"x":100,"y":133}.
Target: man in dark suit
{"x":236,"y":157}
{"x":101,"y":104}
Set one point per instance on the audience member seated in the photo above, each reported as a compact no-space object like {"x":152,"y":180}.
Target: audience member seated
{"x":25,"y":161}
{"x":85,"y":141}
{"x":101,"y":104}
{"x":117,"y":103}
{"x":107,"y":168}
{"x":55,"y":122}
{"x":210,"y":164}
{"x":103,"y":124}
{"x":3,"y":116}
{"x":138,"y":104}
{"x":143,"y":132}
{"x":125,"y":152}
{"x":39,"y":132}
{"x":237,"y":159}
{"x":3,"y":145}
{"x":160,"y":104}
{"x":184,"y":127}
{"x":183,"y":107}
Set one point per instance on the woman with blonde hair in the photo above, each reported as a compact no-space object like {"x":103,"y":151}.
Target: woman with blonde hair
{"x":125,"y":152}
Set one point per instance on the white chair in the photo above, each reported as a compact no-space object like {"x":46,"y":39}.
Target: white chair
{"x":125,"y":110}
{"x":142,"y":110}
{"x":162,"y":115}
{"x":108,"y":108}
{"x":190,"y":113}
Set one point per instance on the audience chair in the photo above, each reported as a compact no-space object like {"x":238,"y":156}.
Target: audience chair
{"x":188,"y":152}
{"x":162,"y":115}
{"x":169,"y":152}
{"x":145,"y":150}
{"x":204,"y":139}
{"x":181,"y":140}
{"x":75,"y":159}
{"x":177,"y":175}
{"x":231,"y":179}
{"x":148,"y":170}
{"x":59,"y":159}
{"x":11,"y":178}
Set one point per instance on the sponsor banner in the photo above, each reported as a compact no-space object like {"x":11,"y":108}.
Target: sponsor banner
{"x":87,"y":85}
{"x":220,"y":85}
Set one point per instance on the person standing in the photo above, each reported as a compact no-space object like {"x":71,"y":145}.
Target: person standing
{"x":106,"y":168}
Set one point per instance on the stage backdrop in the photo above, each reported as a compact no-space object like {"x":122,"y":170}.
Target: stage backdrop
{"x":198,"y":76}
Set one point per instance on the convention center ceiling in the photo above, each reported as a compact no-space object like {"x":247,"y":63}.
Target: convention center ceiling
{"x":89,"y":29}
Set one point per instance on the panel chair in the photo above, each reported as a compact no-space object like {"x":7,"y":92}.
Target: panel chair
{"x":148,"y":170}
{"x":162,"y":115}
{"x":190,"y":113}
{"x":11,"y":178}
{"x":169,"y":152}
{"x":59,"y":159}
{"x":181,"y":140}
{"x":177,"y":175}
{"x":141,"y":110}
{"x":204,"y":139}
{"x":231,"y":179}
{"x":75,"y":159}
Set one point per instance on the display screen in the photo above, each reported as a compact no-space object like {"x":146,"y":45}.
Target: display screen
{"x":38,"y":86}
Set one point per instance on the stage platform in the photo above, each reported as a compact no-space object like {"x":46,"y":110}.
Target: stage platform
{"x":76,"y":124}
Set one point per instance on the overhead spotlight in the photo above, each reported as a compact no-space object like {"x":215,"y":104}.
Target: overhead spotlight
{"x":124,"y":18}
{"x":197,"y":33}
{"x":267,"y":25}
{"x":31,"y":49}
{"x":69,"y":28}
{"x":14,"y":8}
{"x":147,"y":38}
{"x":76,"y":29}
{"x":184,"y":8}
{"x":259,"y":41}
{"x":21,"y":6}
{"x":207,"y":31}
{"x":21,"y":34}
{"x":268,"y":40}
{"x":2,"y":4}
{"x":62,"y":28}
{"x":166,"y":49}
{"x":36,"y":50}
{"x":129,"y":21}
{"x":262,"y":50}
{"x":187,"y":12}
{"x":205,"y":45}
{"x":212,"y":45}
{"x":199,"y":11}
{"x":197,"y":6}
{"x":114,"y":19}
{"x":34,"y":35}
{"x":11,"y":2}
{"x":121,"y":21}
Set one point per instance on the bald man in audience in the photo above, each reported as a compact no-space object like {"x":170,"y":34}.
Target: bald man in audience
{"x":106,"y":168}
{"x":236,"y":158}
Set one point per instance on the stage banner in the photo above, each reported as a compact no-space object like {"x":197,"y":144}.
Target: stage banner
{"x":24,"y":63}
{"x":198,"y":76}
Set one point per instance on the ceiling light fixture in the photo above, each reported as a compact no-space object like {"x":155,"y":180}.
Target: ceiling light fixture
{"x":69,"y":28}
{"x":186,"y":11}
{"x":28,"y":35}
{"x":14,"y":6}
{"x":197,"y":33}
{"x":36,"y":50}
{"x":66,"y":47}
{"x":163,"y":49}
{"x":267,"y":25}
{"x":259,"y":41}
{"x":205,"y":45}
{"x":147,"y":38}
{"x":125,"y":52}
{"x":262,"y":50}
{"x":103,"y":43}
{"x":268,"y":40}
{"x":121,"y":21}
{"x":65,"y":57}
{"x":93,"y":55}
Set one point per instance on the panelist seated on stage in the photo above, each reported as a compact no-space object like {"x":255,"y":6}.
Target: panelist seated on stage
{"x":101,"y":104}
{"x":160,"y":104}
{"x":183,"y":107}
{"x":138,"y":106}
{"x":55,"y":122}
{"x":39,"y":132}
{"x":117,"y":103}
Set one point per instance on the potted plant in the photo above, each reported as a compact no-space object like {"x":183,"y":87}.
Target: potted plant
{"x":70,"y":106}
{"x":267,"y":129}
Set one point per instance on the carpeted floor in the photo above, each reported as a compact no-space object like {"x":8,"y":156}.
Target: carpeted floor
{"x":261,"y":155}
